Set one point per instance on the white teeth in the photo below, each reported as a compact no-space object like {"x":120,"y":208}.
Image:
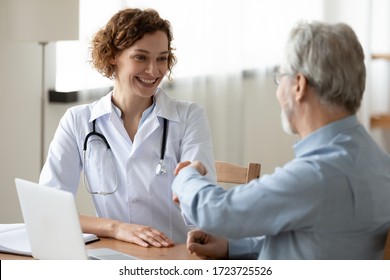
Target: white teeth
{"x":147,"y":81}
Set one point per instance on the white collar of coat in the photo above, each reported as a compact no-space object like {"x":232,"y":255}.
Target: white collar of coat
{"x":166,"y":107}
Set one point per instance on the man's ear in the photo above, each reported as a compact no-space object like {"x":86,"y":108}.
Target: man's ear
{"x":300,"y":86}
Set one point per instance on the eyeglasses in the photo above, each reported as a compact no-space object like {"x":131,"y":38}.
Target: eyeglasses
{"x":278,"y":77}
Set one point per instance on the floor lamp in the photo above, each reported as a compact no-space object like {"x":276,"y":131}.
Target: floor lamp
{"x":42,"y":21}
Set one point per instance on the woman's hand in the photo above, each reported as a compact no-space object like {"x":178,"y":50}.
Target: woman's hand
{"x":138,"y":234}
{"x":142,"y":235}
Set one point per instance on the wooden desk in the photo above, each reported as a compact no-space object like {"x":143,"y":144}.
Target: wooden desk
{"x":177,"y":252}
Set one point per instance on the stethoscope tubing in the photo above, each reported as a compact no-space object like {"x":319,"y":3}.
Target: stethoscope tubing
{"x":160,"y":169}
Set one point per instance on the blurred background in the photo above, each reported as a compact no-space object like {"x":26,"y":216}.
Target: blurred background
{"x":226,"y":50}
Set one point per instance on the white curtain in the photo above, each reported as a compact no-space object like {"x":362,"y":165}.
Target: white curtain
{"x":379,"y":80}
{"x":226,"y":51}
{"x":381,"y":44}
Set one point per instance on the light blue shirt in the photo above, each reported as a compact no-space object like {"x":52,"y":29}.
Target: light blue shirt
{"x":330,"y":202}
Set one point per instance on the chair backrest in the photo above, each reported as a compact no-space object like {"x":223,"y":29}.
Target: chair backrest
{"x":386,"y":255}
{"x":236,"y":174}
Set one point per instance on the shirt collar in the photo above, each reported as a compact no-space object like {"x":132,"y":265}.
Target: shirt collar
{"x":147,"y":112}
{"x":324,"y":135}
{"x":164,"y":106}
{"x":102,"y":107}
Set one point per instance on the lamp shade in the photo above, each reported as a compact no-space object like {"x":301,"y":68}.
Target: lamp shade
{"x":41,"y":20}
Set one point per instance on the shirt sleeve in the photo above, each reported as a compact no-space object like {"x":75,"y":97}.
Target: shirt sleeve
{"x":197,"y":140}
{"x":286,"y":200}
{"x":63,"y":163}
{"x":245,"y":248}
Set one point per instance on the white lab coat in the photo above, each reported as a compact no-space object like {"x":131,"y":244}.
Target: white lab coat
{"x":142,"y":196}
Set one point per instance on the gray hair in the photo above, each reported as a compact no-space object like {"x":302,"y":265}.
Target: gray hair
{"x":332,"y":60}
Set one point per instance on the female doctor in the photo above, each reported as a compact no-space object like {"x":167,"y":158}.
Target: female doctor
{"x":128,"y":143}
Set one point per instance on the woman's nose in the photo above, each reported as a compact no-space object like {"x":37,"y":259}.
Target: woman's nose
{"x":152,"y":68}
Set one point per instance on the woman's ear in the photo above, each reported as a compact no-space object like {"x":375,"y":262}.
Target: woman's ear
{"x":113,"y":60}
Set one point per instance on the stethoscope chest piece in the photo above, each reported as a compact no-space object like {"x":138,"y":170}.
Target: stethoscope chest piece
{"x":160,"y":168}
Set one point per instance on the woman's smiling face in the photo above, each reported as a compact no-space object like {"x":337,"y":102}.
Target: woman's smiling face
{"x":141,"y":67}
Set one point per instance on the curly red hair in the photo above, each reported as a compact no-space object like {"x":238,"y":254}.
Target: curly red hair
{"x":121,"y":32}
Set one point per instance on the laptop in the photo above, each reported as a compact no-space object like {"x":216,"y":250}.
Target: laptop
{"x":53,"y":225}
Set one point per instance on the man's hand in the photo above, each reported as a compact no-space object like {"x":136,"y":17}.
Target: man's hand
{"x":180,"y":166}
{"x":207,"y":246}
{"x":196,"y":164}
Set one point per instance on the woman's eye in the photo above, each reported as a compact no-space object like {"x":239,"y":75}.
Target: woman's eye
{"x":162,"y":59}
{"x":140,"y":57}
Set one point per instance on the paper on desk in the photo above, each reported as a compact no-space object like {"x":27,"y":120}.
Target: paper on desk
{"x":14,"y":239}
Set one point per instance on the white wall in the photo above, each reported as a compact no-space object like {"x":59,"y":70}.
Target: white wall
{"x":19,"y":121}
{"x":20,"y":81}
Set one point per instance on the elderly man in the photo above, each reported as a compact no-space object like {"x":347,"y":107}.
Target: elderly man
{"x":331,"y":200}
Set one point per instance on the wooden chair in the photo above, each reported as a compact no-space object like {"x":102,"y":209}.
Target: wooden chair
{"x":386,"y":255}
{"x":236,"y":174}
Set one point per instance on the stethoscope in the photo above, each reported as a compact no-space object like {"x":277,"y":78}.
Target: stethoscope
{"x":160,"y":168}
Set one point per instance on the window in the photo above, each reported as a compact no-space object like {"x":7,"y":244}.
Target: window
{"x":210,"y":37}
